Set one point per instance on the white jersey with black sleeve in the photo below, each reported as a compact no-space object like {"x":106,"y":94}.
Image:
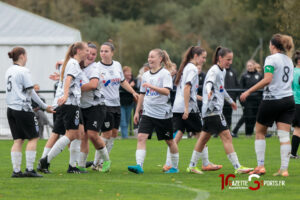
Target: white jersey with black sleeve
{"x":111,"y":76}
{"x":93,"y":97}
{"x":73,"y":69}
{"x":282,"y":68}
{"x":189,"y":76}
{"x":155,"y":104}
{"x":214,"y":78}
{"x":19,"y":89}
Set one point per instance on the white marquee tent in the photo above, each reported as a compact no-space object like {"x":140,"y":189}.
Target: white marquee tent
{"x":45,"y":41}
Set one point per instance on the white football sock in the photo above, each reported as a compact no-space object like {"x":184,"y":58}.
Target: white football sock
{"x":260,"y":149}
{"x":168,"y":159}
{"x":30,"y":159}
{"x":74,"y":152}
{"x":16,"y":159}
{"x":82,"y":159}
{"x":104,"y":154}
{"x":204,"y":156}
{"x":285,"y":150}
{"x":96,"y":158}
{"x":175,"y":160}
{"x":234,"y":160}
{"x":140,"y":155}
{"x":58,"y":147}
{"x":45,"y":152}
{"x":195,"y":158}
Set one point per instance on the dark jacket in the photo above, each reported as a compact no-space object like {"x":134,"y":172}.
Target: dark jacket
{"x":249,"y":79}
{"x":200,"y":88}
{"x":231,"y":82}
{"x":126,"y":98}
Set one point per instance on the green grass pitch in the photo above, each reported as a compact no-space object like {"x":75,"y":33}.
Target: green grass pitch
{"x":153,"y":184}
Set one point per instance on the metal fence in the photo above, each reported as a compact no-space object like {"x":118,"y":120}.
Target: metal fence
{"x":49,"y":96}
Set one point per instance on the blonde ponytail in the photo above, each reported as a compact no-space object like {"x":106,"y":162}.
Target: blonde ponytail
{"x":167,"y":61}
{"x":288,"y":45}
{"x":72,"y":51}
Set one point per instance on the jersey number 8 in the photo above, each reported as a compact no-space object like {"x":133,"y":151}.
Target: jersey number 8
{"x":286,"y":71}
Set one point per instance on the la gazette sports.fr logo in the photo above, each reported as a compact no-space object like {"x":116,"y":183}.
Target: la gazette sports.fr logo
{"x":253,"y":182}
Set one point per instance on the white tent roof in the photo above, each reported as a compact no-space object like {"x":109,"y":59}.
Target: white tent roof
{"x":19,"y":27}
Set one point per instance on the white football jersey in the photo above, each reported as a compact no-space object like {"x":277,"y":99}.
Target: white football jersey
{"x":111,"y":77}
{"x":58,"y":93}
{"x":281,"y":84}
{"x":94,"y":97}
{"x":189,"y":76}
{"x":155,"y":104}
{"x":18,"y":79}
{"x":214,"y":106}
{"x":73,"y":69}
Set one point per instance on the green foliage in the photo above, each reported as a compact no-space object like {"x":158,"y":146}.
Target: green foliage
{"x":134,"y":41}
{"x":99,"y":29}
{"x":138,"y":26}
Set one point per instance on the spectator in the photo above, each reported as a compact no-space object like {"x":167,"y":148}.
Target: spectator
{"x":248,"y":79}
{"x":258,"y":68}
{"x":127,"y":102}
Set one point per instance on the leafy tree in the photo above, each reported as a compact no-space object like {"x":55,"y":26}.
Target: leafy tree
{"x":134,"y":41}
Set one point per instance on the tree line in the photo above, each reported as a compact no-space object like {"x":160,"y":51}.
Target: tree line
{"x":137,"y":26}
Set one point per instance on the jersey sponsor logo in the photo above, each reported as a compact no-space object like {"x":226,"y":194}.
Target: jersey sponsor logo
{"x":221,"y":89}
{"x":106,"y":83}
{"x":151,"y":92}
{"x":112,"y":82}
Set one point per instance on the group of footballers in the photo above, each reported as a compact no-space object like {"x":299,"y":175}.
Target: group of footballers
{"x":87,"y":101}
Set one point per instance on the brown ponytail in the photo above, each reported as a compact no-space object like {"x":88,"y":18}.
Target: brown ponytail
{"x":72,"y":51}
{"x":283,"y":43}
{"x":188,"y":56}
{"x":220,"y":51}
{"x":15,"y":53}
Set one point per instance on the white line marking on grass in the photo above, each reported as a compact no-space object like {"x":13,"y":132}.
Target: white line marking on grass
{"x":201,"y":194}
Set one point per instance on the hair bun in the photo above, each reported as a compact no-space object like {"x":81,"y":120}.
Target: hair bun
{"x":10,"y":54}
{"x":110,"y":40}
